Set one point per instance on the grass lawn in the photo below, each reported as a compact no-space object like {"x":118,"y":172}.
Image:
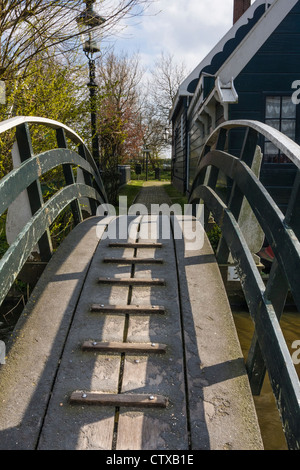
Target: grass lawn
{"x":130,"y":190}
{"x":175,"y":196}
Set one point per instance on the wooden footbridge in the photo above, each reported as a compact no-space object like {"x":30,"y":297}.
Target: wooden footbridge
{"x":127,"y":341}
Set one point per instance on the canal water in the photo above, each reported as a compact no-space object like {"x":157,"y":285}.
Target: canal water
{"x":268,"y":416}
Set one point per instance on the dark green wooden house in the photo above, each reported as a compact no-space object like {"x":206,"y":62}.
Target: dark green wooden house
{"x":252,"y":73}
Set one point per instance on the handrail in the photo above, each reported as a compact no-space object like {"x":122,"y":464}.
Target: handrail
{"x":58,"y":126}
{"x":27,"y":177}
{"x":281,"y":141}
{"x":18,"y":120}
{"x":14,"y":183}
{"x":268,"y":350}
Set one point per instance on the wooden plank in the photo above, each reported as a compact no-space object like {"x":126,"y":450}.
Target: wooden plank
{"x":139,"y":431}
{"x":221,"y":412}
{"x":143,"y":348}
{"x":135,"y":245}
{"x":87,"y":428}
{"x":133,"y":260}
{"x":132,"y":281}
{"x":132,"y":309}
{"x":113,"y":399}
{"x":39,"y":346}
{"x":161,"y":374}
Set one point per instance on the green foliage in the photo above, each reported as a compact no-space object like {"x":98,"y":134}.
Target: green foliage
{"x":49,"y":90}
{"x":214,"y":236}
{"x":111,"y":180}
{"x":3,"y":242}
{"x":130,"y":190}
{"x":176,"y":196}
{"x":61,"y":227}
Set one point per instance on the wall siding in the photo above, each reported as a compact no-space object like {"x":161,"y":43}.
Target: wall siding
{"x":271,"y":71}
{"x":179,"y":149}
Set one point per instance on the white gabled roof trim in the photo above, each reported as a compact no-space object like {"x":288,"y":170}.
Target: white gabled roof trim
{"x":244,"y":52}
{"x":248,"y":47}
{"x":258,"y":35}
{"x":195,"y":74}
{"x":220,"y":46}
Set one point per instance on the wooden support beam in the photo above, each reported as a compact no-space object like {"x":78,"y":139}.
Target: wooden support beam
{"x":135,"y":245}
{"x":111,"y":399}
{"x":132,"y":309}
{"x":130,"y":281}
{"x":141,"y":348}
{"x":133,"y":260}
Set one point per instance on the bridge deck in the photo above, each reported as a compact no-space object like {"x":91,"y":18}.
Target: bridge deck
{"x":135,"y":354}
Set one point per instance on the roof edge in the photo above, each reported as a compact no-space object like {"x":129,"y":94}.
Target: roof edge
{"x":195,"y":74}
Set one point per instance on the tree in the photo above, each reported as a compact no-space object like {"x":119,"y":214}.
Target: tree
{"x":118,"y":115}
{"x":49,"y":90}
{"x":166,"y":76}
{"x":30,"y":27}
{"x":119,"y":120}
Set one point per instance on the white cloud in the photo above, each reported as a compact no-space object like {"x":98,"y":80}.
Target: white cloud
{"x":187,"y":29}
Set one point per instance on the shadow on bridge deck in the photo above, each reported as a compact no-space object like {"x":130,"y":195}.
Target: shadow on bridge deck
{"x":200,"y":378}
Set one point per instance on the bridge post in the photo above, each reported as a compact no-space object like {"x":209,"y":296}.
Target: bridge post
{"x":34,"y":190}
{"x":214,"y":172}
{"x":236,"y":196}
{"x":68,"y":174}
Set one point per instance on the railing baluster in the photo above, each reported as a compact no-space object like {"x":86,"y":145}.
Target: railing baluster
{"x":69,"y":176}
{"x":236,"y":196}
{"x":27,"y":178}
{"x":276,"y":292}
{"x":34,"y":190}
{"x":268,"y":349}
{"x":213,"y":171}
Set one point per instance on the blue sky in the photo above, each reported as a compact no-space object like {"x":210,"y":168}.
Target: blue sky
{"x":187,"y":29}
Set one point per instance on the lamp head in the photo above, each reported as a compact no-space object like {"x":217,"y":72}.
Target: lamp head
{"x":87,"y":22}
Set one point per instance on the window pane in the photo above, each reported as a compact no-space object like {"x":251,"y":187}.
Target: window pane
{"x":288,"y":108}
{"x":270,"y":149}
{"x":273,"y":123}
{"x":271,"y":153}
{"x":281,"y":115}
{"x":288,"y":128}
{"x":273,"y":107}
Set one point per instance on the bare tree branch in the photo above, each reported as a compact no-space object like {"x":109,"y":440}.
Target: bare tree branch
{"x":29,"y":27}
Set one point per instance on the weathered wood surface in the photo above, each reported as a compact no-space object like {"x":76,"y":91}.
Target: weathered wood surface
{"x":198,"y":377}
{"x":146,"y":348}
{"x":132,"y":309}
{"x":136,"y":400}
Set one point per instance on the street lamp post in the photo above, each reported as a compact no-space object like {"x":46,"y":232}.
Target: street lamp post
{"x":87,"y":22}
{"x":146,"y":153}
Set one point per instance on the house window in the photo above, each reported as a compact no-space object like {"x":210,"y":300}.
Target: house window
{"x":280,"y":114}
